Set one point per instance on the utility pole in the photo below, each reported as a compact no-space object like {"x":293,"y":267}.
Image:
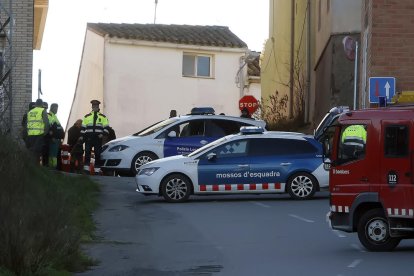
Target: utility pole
{"x":155,"y":11}
{"x":39,"y":84}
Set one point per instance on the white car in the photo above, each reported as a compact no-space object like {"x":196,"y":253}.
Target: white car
{"x":253,"y":161}
{"x":174,"y":136}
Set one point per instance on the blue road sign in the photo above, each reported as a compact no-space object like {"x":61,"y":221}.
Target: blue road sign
{"x":381,"y":87}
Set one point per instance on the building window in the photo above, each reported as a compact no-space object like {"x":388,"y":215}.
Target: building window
{"x":195,"y":65}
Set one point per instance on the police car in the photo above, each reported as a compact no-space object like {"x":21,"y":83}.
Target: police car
{"x":253,"y":161}
{"x":174,"y":136}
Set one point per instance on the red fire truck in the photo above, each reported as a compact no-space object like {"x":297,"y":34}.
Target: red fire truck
{"x":372,"y":175}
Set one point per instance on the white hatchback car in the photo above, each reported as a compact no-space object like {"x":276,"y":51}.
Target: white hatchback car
{"x":174,"y":136}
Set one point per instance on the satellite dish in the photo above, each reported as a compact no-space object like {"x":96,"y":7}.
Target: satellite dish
{"x":349,"y":47}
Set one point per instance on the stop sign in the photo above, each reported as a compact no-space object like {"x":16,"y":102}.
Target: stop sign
{"x":249,"y":102}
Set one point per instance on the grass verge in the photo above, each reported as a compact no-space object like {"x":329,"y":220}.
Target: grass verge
{"x":44,"y":216}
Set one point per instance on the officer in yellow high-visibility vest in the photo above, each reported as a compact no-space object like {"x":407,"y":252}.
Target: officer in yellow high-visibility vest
{"x":56,"y":133}
{"x":354,"y":138}
{"x":94,"y":127}
{"x":37,"y":128}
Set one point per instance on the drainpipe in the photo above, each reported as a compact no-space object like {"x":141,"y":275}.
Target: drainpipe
{"x":308,"y":61}
{"x":292,"y":59}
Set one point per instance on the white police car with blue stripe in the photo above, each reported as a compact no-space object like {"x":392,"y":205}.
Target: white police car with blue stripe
{"x":174,"y":136}
{"x":253,"y":161}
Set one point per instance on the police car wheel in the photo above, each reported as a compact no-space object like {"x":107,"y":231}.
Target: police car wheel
{"x":301,"y":186}
{"x":176,"y":188}
{"x":141,"y":159}
{"x":373,"y":231}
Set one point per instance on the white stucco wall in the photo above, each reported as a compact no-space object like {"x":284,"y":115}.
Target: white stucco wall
{"x":90,"y":78}
{"x":255,"y":90}
{"x":143,"y":82}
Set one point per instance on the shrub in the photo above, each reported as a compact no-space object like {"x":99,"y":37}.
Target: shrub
{"x":44,"y":215}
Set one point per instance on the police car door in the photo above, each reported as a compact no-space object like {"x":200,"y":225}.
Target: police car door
{"x":190,"y":135}
{"x":224,"y":168}
{"x":269,"y":163}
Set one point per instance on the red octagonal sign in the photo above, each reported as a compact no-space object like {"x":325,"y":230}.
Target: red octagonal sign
{"x":249,"y":102}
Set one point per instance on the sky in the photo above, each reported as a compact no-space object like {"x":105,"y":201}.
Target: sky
{"x":61,"y":50}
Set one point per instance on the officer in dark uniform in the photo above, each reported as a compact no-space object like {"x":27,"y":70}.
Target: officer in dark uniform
{"x":94,"y":127}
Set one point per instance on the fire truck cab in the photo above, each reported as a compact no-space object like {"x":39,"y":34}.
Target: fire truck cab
{"x":372,"y":181}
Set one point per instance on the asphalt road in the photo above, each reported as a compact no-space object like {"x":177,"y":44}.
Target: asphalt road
{"x":228,"y":235}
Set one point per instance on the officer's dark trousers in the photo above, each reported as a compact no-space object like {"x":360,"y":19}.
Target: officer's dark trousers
{"x":95,"y":143}
{"x":35,"y":145}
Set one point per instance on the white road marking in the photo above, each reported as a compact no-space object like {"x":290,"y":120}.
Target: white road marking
{"x":357,"y":247}
{"x":355,"y":263}
{"x":339,"y":234}
{"x":260,"y":204}
{"x":300,"y":218}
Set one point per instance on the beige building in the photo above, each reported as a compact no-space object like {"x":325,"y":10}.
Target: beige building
{"x":304,"y":57}
{"x":337,"y":26}
{"x":285,"y":65}
{"x":141,"y":71}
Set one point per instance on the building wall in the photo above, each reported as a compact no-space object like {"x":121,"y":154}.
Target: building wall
{"x":23,"y":56}
{"x":144,"y":82}
{"x":334,"y":78}
{"x":335,"y":17}
{"x":333,"y":71}
{"x":276,"y":61}
{"x":90,"y":78}
{"x":389,"y":27}
{"x":139,"y":82}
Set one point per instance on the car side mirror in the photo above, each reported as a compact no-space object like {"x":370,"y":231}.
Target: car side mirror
{"x":172,"y":134}
{"x":211,"y":156}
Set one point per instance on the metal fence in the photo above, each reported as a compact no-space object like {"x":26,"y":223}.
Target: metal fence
{"x":6,"y":65}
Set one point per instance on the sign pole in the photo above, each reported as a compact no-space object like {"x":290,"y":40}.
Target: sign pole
{"x":355,"y":74}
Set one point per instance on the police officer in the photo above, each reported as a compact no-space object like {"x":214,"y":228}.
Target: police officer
{"x":94,"y":127}
{"x":245,"y":113}
{"x":37,"y":128}
{"x":56,"y":133}
{"x":354,"y":138}
{"x":45,"y":148}
{"x":24,"y":123}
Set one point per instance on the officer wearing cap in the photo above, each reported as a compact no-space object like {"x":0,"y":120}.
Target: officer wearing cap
{"x":94,"y":127}
{"x":37,"y":127}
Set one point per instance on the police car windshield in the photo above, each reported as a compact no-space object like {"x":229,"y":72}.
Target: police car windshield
{"x":155,"y":128}
{"x":210,"y":145}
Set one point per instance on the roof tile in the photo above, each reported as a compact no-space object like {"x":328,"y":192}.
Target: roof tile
{"x":218,"y":36}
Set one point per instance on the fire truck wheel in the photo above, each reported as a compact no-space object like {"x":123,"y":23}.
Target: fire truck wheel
{"x":301,"y":185}
{"x":373,"y":232}
{"x":176,"y":188}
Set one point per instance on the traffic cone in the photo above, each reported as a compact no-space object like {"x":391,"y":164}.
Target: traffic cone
{"x":92,"y":167}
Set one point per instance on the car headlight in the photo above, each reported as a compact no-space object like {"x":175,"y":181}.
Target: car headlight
{"x":148,"y":171}
{"x":118,"y":148}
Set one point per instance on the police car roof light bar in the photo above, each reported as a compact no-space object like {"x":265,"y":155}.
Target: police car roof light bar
{"x":251,"y":130}
{"x":202,"y":111}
